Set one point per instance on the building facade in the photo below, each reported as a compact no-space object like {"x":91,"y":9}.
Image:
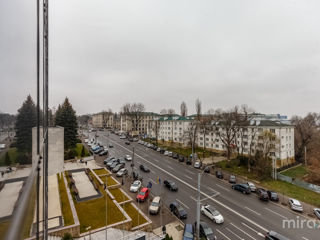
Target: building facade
{"x":102,"y":120}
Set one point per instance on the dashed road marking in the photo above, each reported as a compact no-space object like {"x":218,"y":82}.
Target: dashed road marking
{"x":218,"y":185}
{"x":243,"y":231}
{"x":182,"y":204}
{"x":222,"y":234}
{"x":188,"y":177}
{"x":276,"y":213}
{"x":252,"y":211}
{"x":235,"y":234}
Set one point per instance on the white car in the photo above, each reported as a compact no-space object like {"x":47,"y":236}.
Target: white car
{"x":169,"y":154}
{"x":166,"y":153}
{"x":86,"y":140}
{"x":252,"y":186}
{"x":212,"y":213}
{"x":135,"y":186}
{"x":155,"y":205}
{"x":295,"y":205}
{"x":128,"y":158}
{"x":122,"y":137}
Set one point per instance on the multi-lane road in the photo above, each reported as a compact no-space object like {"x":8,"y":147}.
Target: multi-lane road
{"x":246,"y":217}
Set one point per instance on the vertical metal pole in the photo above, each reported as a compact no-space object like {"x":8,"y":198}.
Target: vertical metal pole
{"x":305,"y":155}
{"x":198,"y":206}
{"x":106,"y":207}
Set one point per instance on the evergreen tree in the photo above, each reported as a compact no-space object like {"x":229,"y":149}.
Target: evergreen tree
{"x":26,"y":120}
{"x":66,"y":117}
{"x":7,"y":160}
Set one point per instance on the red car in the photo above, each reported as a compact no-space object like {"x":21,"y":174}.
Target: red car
{"x":143,"y":194}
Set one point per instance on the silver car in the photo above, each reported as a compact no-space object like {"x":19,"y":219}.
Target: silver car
{"x":252,"y":186}
{"x":295,"y":205}
{"x":155,"y":205}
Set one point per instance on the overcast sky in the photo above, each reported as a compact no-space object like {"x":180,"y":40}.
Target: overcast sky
{"x":265,"y":54}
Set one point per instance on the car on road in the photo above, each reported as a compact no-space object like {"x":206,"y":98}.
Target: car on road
{"x":127,"y":142}
{"x":295,"y":205}
{"x":136,"y":176}
{"x":206,"y":169}
{"x":86,"y":140}
{"x":178,"y":210}
{"x":188,"y":232}
{"x":197,"y":164}
{"x":135,"y":139}
{"x":181,"y":158}
{"x":135,"y":186}
{"x":109,"y":164}
{"x":118,"y":167}
{"x":212,"y":213}
{"x":169,"y":154}
{"x":175,"y":155}
{"x":166,"y":153}
{"x":219,"y":174}
{"x":232,"y":179}
{"x":155,"y":205}
{"x":158,"y":149}
{"x":144,"y":168}
{"x":130,"y":139}
{"x":205,"y":231}
{"x":104,"y":152}
{"x":128,"y":157}
{"x":108,"y":160}
{"x":262,"y":194}
{"x":122,"y":172}
{"x":188,"y":161}
{"x":316,"y":212}
{"x":241,"y":187}
{"x":99,"y":150}
{"x":114,"y":164}
{"x":162,"y":151}
{"x":271,"y":235}
{"x":110,"y":145}
{"x":273,"y":196}
{"x":123,"y":137}
{"x":170,"y":185}
{"x":252,"y":186}
{"x":143,"y":194}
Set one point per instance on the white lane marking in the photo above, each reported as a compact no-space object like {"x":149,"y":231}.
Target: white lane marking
{"x":170,"y":167}
{"x":235,"y":234}
{"x":152,"y":180}
{"x":260,"y":234}
{"x":193,"y":198}
{"x":213,"y":190}
{"x":182,"y":203}
{"x":252,"y":211}
{"x":305,"y":238}
{"x":222,"y":234}
{"x":188,"y":177}
{"x":192,"y":173}
{"x":242,"y":231}
{"x":218,"y":185}
{"x":156,"y":160}
{"x":195,"y":189}
{"x":153,"y":171}
{"x":276,"y":213}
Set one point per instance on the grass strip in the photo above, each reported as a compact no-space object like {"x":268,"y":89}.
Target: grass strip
{"x":65,"y":205}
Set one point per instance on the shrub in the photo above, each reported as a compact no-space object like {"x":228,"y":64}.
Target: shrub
{"x":67,"y":236}
{"x":79,"y":140}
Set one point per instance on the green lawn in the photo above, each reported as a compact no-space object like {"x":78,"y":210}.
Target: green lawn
{"x":65,"y":205}
{"x":93,"y":212}
{"x":118,"y":195}
{"x":137,"y":218}
{"x":110,"y":180}
{"x":13,"y":154}
{"x":233,"y":167}
{"x":79,"y":149}
{"x":101,"y":171}
{"x":296,"y":172}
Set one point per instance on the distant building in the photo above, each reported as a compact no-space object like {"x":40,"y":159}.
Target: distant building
{"x":128,"y":123}
{"x":102,"y":120}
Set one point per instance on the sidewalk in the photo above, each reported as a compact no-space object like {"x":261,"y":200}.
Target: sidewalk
{"x":174,"y":230}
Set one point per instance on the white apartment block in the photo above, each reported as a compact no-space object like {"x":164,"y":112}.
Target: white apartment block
{"x":102,"y":120}
{"x":177,"y":129}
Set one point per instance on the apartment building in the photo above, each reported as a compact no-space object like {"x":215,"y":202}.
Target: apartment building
{"x":102,"y":120}
{"x":129,"y":123}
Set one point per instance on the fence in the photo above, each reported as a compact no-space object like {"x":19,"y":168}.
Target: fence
{"x":299,"y":183}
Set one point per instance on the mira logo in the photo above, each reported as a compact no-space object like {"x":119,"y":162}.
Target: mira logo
{"x":300,"y":223}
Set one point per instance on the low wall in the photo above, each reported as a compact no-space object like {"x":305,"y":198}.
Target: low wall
{"x":299,"y":183}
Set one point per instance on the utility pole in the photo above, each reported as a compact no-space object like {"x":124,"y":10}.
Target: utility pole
{"x":305,"y":155}
{"x":198,"y":206}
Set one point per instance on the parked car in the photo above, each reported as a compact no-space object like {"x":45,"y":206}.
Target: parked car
{"x":104,"y":152}
{"x":123,"y":137}
{"x":197,"y":164}
{"x":273,"y":196}
{"x":122,"y":160}
{"x":188,"y":161}
{"x":128,"y":158}
{"x":175,"y":155}
{"x":155,"y":205}
{"x":205,"y":231}
{"x":271,"y":235}
{"x":118,"y":167}
{"x":232,"y":179}
{"x":316,"y":211}
{"x":262,"y":194}
{"x":135,"y":139}
{"x":127,"y":142}
{"x":166,"y":153}
{"x":219,"y":174}
{"x":109,"y":164}
{"x":144,"y":168}
{"x":188,"y":232}
{"x":130,"y":139}
{"x":206,"y":169}
{"x":171,"y":185}
{"x":135,"y":186}
{"x":114,"y":164}
{"x":169,"y":154}
{"x":158,"y":149}
{"x":108,"y":160}
{"x":143,"y":194}
{"x":122,"y":172}
{"x":136,"y":176}
{"x":178,"y":210}
{"x":162,"y":151}
{"x":99,"y":150}
{"x":295,"y":205}
{"x":252,"y":186}
{"x":241,"y":187}
{"x":181,"y":158}
{"x":110,"y":145}
{"x":212,"y":213}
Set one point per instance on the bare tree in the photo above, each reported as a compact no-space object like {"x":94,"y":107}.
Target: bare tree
{"x":183,"y":109}
{"x":134,"y":112}
{"x":305,"y":130}
{"x":171,"y":111}
{"x":106,"y":117}
{"x":163,"y":111}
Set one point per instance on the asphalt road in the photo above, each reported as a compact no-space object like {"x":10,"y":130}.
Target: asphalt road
{"x":246,"y":217}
